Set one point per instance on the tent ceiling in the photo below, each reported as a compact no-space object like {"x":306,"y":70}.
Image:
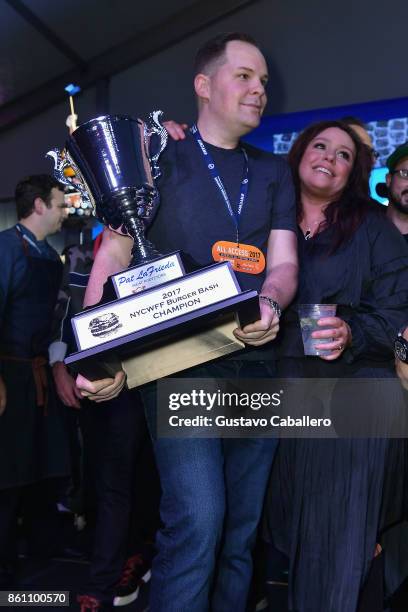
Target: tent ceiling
{"x":45,"y":44}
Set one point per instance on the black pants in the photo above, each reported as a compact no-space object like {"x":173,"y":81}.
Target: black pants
{"x":116,"y":449}
{"x":37,"y":505}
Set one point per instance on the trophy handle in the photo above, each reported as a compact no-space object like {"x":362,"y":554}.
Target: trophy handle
{"x":152,"y":126}
{"x":63,"y":162}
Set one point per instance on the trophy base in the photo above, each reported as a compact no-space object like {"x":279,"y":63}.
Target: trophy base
{"x":165,"y":329}
{"x":164,"y":356}
{"x":186,"y":351}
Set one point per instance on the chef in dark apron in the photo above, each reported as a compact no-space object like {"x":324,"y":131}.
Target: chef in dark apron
{"x":33,"y":440}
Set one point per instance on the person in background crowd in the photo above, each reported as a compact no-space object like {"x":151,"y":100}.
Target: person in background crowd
{"x":361,"y":130}
{"x":330,"y":500}
{"x":119,"y":479}
{"x":401,"y":357}
{"x":397,"y":212}
{"x":396,"y":190}
{"x":397,"y":185}
{"x":212,"y":489}
{"x":33,"y":440}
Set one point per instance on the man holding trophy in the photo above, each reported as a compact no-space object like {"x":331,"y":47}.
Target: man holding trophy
{"x":216,"y":196}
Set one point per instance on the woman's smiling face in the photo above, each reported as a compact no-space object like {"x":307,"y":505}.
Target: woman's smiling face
{"x":327,"y":163}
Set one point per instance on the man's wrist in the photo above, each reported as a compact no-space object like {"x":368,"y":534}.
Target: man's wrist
{"x":57,"y":351}
{"x":272,"y":303}
{"x":59,"y":366}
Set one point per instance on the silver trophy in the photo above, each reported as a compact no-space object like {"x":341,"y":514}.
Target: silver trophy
{"x":115,"y":160}
{"x":153,"y":319}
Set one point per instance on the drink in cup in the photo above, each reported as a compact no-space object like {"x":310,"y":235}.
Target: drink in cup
{"x":309,"y":314}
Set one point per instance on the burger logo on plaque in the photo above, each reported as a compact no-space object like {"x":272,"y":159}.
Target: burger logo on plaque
{"x":104,"y":325}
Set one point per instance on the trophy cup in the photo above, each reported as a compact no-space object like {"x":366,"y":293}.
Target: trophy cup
{"x":160,"y":320}
{"x":115,"y":171}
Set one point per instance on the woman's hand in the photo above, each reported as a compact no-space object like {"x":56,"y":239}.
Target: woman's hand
{"x":339,"y":333}
{"x":176,"y":130}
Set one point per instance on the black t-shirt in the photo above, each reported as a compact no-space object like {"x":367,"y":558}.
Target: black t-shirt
{"x":367,"y":277}
{"x":405,"y":236}
{"x":192,"y":214}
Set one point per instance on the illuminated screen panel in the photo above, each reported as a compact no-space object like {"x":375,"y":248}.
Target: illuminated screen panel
{"x":386,"y":122}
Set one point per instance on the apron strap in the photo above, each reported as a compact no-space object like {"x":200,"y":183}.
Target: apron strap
{"x":40,"y":377}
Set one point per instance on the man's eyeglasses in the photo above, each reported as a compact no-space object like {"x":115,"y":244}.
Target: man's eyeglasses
{"x":403,"y":173}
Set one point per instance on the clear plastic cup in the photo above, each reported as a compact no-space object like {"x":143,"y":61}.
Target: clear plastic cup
{"x":309,"y":314}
